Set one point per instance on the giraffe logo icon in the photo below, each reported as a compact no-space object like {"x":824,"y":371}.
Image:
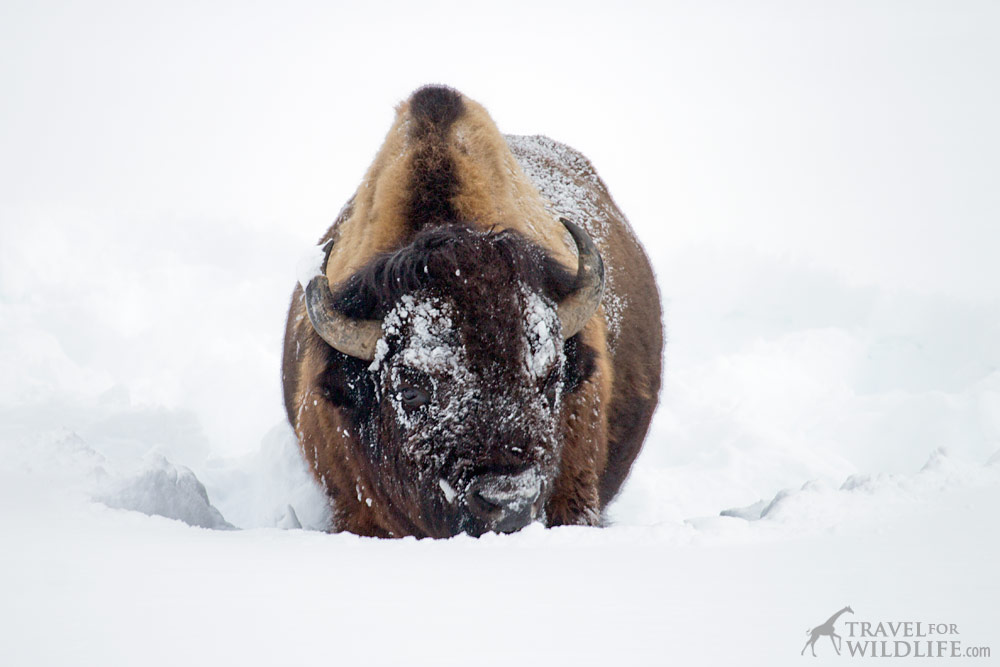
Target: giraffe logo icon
{"x":825,"y":629}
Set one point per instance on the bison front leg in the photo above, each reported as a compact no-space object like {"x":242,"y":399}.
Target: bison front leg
{"x":575,"y":499}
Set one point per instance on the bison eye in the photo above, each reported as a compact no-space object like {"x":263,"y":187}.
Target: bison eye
{"x":551,"y":384}
{"x":412,"y":397}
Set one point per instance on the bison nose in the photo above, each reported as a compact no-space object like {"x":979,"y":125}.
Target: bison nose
{"x":505,"y":503}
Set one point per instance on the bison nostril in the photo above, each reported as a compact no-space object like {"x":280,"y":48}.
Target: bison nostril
{"x":504,"y":503}
{"x":482,"y":507}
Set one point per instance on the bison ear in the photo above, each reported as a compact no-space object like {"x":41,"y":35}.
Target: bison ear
{"x":580,"y":362}
{"x":557,"y":284}
{"x":347,"y":384}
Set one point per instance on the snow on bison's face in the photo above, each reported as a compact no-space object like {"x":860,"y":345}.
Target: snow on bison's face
{"x":460,"y":408}
{"x":469,"y":432}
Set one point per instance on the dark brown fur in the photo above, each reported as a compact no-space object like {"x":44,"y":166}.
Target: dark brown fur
{"x":434,"y":109}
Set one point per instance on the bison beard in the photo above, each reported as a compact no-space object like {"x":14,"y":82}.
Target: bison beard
{"x":458,"y":414}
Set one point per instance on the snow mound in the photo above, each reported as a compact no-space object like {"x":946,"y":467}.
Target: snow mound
{"x":818,"y":505}
{"x":163,"y":489}
{"x":289,"y":520}
{"x":269,"y":488}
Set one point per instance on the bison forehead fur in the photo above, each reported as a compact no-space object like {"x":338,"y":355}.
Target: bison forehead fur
{"x":477,"y":411}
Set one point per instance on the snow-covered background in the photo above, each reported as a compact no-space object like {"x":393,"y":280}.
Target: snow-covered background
{"x":818,"y":186}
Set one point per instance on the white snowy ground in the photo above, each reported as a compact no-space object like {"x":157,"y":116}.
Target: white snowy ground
{"x":816,"y":189}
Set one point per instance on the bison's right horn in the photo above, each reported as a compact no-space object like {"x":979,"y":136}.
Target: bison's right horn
{"x":355,"y":338}
{"x":577,"y":308}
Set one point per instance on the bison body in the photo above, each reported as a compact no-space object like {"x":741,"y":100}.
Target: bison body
{"x":482,"y":347}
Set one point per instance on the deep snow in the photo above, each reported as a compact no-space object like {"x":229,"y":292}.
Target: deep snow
{"x":814,"y":187}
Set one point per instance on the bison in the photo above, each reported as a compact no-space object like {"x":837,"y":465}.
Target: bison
{"x":481,"y":346}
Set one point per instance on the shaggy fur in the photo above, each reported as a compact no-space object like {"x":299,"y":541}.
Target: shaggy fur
{"x":439,"y":195}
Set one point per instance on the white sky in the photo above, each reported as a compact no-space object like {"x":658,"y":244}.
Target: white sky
{"x":860,"y":137}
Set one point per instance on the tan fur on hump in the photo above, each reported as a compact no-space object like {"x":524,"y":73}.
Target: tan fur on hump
{"x":493,"y":191}
{"x":377,"y":220}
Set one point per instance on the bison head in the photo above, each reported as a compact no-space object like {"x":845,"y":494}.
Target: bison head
{"x":454,"y":357}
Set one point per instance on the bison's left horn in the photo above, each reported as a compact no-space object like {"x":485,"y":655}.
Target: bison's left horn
{"x":355,"y":338}
{"x":576,"y":309}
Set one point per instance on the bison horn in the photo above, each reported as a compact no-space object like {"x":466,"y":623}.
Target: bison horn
{"x":577,"y":308}
{"x":355,"y":338}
